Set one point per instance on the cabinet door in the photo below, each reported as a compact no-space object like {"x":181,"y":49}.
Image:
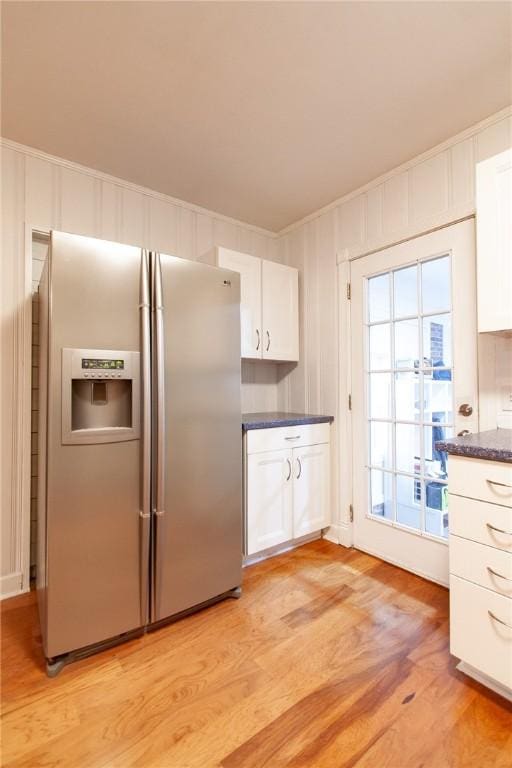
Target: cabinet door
{"x":280,"y":286}
{"x":269,"y":499}
{"x":494,"y":242}
{"x":249,"y":268}
{"x":310,"y":489}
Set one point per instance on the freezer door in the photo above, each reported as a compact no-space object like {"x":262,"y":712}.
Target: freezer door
{"x":197,"y":430}
{"x":96,"y":581}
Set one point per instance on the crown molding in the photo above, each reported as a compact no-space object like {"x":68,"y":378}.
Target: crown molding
{"x":71,"y":165}
{"x":465,"y":134}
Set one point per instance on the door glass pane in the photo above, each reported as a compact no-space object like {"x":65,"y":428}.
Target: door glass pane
{"x":381,"y":446}
{"x":407,"y":396}
{"x":405,"y":291}
{"x":438,"y":397}
{"x":378,"y":298}
{"x":436,"y":462}
{"x":381,"y":494}
{"x":437,"y":341}
{"x":380,"y":395}
{"x":408,"y":501}
{"x":380,"y":347}
{"x":436,"y":508}
{"x":410,"y":406}
{"x":407,"y":350}
{"x":407,"y":448}
{"x":436,"y":285}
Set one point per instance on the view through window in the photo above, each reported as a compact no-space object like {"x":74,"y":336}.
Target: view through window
{"x":410,"y":394}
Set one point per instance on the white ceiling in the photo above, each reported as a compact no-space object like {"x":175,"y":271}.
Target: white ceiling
{"x":261,"y":111}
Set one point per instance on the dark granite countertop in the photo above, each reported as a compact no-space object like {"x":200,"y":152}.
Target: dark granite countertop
{"x":281,"y":419}
{"x":493,"y":445}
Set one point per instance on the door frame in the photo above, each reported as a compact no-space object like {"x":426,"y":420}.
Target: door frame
{"x":345,"y":384}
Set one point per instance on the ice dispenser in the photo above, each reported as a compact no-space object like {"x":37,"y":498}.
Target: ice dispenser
{"x":100,"y":396}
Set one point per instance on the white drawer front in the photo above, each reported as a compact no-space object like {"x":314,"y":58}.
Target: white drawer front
{"x":481,"y":521}
{"x":476,"y":637}
{"x":277,"y":438}
{"x":483,"y":480}
{"x":486,"y":566}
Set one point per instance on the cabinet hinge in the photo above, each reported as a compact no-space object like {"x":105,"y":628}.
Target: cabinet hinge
{"x":349,"y":292}
{"x":350,"y":402}
{"x":351,"y":510}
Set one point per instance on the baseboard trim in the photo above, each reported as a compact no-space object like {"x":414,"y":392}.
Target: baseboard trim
{"x":487,"y":681}
{"x":403,"y":566}
{"x":339,"y":533}
{"x":286,"y":546}
{"x":11,"y":585}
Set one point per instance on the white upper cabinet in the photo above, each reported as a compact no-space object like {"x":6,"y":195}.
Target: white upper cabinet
{"x":249,"y":268}
{"x":494,"y":242}
{"x":269,"y":304}
{"x":280,"y":296}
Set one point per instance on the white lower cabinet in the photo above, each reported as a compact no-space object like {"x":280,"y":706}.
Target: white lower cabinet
{"x":269,"y":500}
{"x":287,"y":490}
{"x":480,"y":506}
{"x":310,"y":489}
{"x":481,"y":629}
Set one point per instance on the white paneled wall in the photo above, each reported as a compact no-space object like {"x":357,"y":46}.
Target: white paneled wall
{"x":431,"y":191}
{"x":40,"y":192}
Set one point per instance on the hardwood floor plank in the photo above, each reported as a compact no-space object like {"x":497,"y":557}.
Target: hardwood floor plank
{"x":479,"y":737}
{"x":331,"y":659}
{"x":316,"y":607}
{"x":423,"y":723}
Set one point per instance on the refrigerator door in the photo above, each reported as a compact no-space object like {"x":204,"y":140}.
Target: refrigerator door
{"x":97,"y":516}
{"x":197,"y":433}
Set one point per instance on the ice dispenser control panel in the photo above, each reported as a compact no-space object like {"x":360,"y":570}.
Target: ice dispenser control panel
{"x":100,"y":396}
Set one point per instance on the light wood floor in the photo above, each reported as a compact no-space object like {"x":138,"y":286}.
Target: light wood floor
{"x":330,"y":659}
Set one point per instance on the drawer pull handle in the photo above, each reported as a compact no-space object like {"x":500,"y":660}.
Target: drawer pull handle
{"x":259,"y":339}
{"x":499,"y":575}
{"x":300,"y":468}
{"x":297,"y":437}
{"x":289,"y":469}
{"x":495,"y":482}
{"x":498,"y":530}
{"x":500,"y":621}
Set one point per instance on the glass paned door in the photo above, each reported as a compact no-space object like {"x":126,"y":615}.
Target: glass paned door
{"x":413,"y":365}
{"x":409,"y":378}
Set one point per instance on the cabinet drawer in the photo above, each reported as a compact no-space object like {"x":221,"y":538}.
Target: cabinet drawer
{"x":476,"y":637}
{"x":277,"y":438}
{"x":486,"y":566}
{"x":483,"y":480}
{"x":481,"y":521}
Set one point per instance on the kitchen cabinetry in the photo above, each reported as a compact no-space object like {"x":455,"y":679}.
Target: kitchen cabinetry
{"x":270,"y":499}
{"x":269,"y":304}
{"x":280,"y":311}
{"x":480,"y":503}
{"x":287,"y":485}
{"x":494,"y":242}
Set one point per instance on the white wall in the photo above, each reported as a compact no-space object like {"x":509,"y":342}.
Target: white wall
{"x":41,"y":192}
{"x":432,"y":190}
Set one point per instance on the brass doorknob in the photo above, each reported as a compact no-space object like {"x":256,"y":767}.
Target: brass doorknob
{"x":466,"y":409}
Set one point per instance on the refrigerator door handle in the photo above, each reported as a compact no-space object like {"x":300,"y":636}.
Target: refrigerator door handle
{"x":160,"y":394}
{"x":159,"y":430}
{"x":145,"y":502}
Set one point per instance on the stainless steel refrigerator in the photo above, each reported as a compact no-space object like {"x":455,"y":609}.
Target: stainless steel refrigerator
{"x":139,"y":501}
